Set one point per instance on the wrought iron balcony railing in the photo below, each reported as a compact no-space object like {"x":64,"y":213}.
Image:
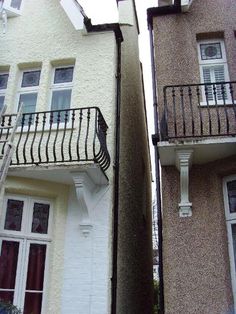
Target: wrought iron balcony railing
{"x":198,"y":110}
{"x":71,"y":135}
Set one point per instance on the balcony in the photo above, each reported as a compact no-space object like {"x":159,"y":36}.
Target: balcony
{"x":199,"y":116}
{"x":63,"y":137}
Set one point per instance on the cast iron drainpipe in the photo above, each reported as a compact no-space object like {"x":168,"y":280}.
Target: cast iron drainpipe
{"x":116,"y":181}
{"x":157,"y":169}
{"x":172,"y":9}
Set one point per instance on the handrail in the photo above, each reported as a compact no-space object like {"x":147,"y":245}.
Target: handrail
{"x":59,"y":136}
{"x":198,"y":110}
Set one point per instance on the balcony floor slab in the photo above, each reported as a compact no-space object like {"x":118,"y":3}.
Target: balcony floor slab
{"x":204,"y":150}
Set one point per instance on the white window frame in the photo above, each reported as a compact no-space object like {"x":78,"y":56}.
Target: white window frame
{"x":210,"y":63}
{"x":60,"y":86}
{"x":25,"y":237}
{"x":3,"y":91}
{"x":27,"y":90}
{"x":230,"y":220}
{"x":11,"y":12}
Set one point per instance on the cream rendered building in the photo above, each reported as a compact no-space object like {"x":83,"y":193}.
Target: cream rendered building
{"x":77,"y":203}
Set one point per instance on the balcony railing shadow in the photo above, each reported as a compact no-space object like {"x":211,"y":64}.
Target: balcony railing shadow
{"x":198,"y":110}
{"x":71,"y":135}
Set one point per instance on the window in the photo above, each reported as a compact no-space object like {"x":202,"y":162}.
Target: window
{"x":3,"y":87}
{"x":230,"y":212}
{"x":61,"y":90}
{"x":13,"y":7}
{"x":28,"y":90}
{"x":213,"y":69}
{"x":24,"y":239}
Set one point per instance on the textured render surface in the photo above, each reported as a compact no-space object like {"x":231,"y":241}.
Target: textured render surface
{"x":43,"y":37}
{"x":87,"y":257}
{"x":177,"y":56}
{"x":52,"y":40}
{"x":196,"y":259}
{"x":176,"y":40}
{"x":134,"y":243}
{"x":58,"y":193}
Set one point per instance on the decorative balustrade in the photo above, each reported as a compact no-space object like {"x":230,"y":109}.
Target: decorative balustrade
{"x":71,"y":135}
{"x":198,"y":110}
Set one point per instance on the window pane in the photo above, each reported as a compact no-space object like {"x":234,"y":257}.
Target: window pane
{"x":8,"y":264}
{"x":234,"y":242}
{"x":33,"y":303}
{"x":60,"y":100}
{"x":63,"y":75}
{"x":3,"y":81}
{"x":231,"y":186}
{"x":29,"y":102}
{"x":14,"y":215}
{"x":1,"y":102}
{"x":30,"y":78}
{"x":16,"y":4}
{"x":211,"y":51}
{"x":6,"y":296}
{"x":40,"y":218}
{"x":35,"y":274}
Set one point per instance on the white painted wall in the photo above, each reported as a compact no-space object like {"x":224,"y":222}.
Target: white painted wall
{"x":86,"y":260}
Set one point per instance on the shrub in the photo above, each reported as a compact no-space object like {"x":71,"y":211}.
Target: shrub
{"x":8,"y":308}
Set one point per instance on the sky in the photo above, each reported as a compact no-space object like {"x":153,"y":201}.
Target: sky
{"x":105,"y":11}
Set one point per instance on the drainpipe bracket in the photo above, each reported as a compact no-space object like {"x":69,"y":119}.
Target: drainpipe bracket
{"x":155,"y":139}
{"x":185,"y":210}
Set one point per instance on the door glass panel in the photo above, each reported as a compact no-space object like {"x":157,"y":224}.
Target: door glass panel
{"x":231,"y":186}
{"x":234,"y":242}
{"x":8,"y":264}
{"x":33,"y":303}
{"x":7,"y":296}
{"x":14,"y":215}
{"x":36,"y":265}
{"x":40,"y":218}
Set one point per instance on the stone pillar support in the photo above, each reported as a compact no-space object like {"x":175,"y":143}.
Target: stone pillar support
{"x":183,"y":163}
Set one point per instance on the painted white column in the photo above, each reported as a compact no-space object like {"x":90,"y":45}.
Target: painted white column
{"x":183,"y":163}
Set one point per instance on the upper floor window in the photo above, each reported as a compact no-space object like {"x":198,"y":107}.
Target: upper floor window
{"x":3,"y":87}
{"x":61,"y":89}
{"x":13,"y":7}
{"x":230,"y":212}
{"x":25,"y":236}
{"x":28,"y":90}
{"x":213,"y":69}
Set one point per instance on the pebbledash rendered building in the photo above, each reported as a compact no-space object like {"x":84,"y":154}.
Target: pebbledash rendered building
{"x":77,"y":202}
{"x":193,"y":47}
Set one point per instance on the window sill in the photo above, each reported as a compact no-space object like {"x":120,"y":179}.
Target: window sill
{"x":219,"y":104}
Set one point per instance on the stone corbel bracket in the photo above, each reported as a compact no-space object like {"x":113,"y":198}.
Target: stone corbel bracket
{"x":85,"y":188}
{"x":183,"y":163}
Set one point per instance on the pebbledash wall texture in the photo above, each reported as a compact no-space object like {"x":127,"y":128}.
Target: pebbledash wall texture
{"x":78,"y":279}
{"x":196,"y":258}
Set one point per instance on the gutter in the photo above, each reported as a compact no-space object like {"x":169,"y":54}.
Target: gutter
{"x":115,"y":27}
{"x":163,"y":10}
{"x":152,"y":12}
